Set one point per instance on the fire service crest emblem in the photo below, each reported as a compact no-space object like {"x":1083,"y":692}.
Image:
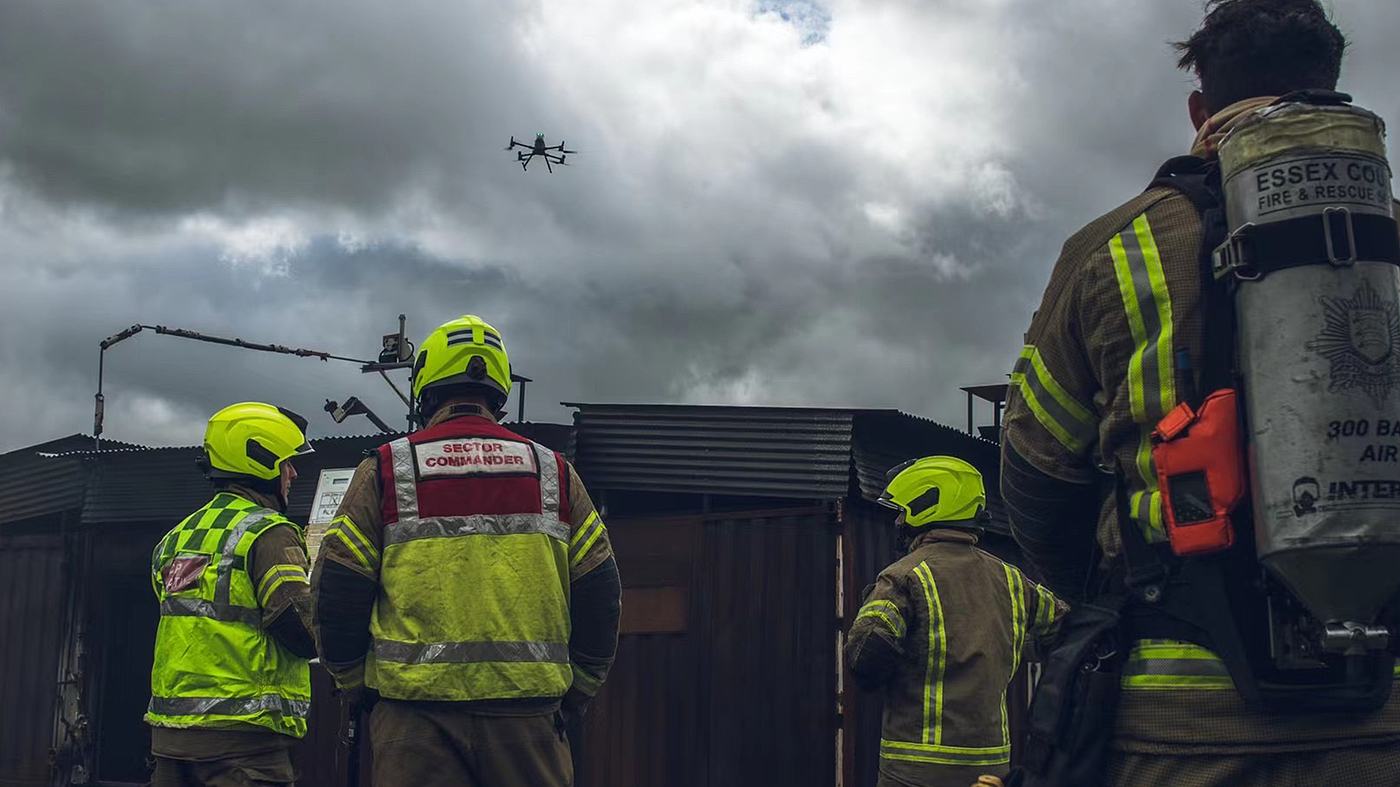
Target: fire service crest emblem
{"x":1359,"y":340}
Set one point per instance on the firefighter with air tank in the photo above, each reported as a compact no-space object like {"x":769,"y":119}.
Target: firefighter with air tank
{"x":1195,"y":449}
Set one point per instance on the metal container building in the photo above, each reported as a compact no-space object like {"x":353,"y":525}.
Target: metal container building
{"x":744,"y":536}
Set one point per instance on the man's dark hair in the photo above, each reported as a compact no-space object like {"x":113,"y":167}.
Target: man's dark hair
{"x":1249,"y":48}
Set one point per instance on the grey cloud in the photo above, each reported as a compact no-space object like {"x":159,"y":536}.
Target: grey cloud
{"x":637,"y":275}
{"x":183,"y":106}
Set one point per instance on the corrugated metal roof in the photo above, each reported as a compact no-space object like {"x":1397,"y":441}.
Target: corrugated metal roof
{"x":884,"y":440}
{"x":791,"y":452}
{"x":131,"y":484}
{"x":779,"y":452}
{"x":34,"y":486}
{"x":759,"y":451}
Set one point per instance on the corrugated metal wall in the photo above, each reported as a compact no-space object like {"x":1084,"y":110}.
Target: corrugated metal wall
{"x":868,"y":536}
{"x":770,"y":686}
{"x":31,"y":627}
{"x":744,"y":693}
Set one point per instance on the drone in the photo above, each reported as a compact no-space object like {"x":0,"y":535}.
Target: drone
{"x":539,"y":149}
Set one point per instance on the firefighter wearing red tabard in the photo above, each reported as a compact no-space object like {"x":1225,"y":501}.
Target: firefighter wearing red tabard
{"x":468,"y":584}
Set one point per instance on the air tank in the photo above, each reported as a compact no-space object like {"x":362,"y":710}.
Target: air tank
{"x":1319,"y":352}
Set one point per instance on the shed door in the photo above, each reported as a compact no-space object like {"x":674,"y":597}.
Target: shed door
{"x":726,"y":670}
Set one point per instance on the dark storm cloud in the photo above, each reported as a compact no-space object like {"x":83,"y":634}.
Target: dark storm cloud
{"x":178,"y":106}
{"x":756,"y":216}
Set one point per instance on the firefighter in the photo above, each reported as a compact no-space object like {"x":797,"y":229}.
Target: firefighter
{"x":230,"y":688}
{"x":1117,"y":343}
{"x":467,"y":586}
{"x":943,"y":631}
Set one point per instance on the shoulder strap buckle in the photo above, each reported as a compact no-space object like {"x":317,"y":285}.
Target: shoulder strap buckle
{"x":1336,"y":232}
{"x":1234,"y":257}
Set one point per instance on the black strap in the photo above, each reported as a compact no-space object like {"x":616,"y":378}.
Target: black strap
{"x":1147,"y":572}
{"x":1199,"y":180}
{"x":1334,"y":237}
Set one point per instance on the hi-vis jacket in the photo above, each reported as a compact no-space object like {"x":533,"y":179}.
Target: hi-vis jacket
{"x":217,"y":665}
{"x":474,"y":539}
{"x":960,"y":620}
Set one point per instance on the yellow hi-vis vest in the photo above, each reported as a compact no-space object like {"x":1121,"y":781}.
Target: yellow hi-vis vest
{"x":215,"y":666}
{"x":474,"y":580}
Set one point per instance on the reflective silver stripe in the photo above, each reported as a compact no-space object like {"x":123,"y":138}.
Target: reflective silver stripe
{"x":199,"y":608}
{"x":405,"y":478}
{"x":1211,"y":667}
{"x":229,"y":706}
{"x":1151,"y":381}
{"x":1046,"y":395}
{"x":363,"y":550}
{"x":410,"y":528}
{"x":470,"y":652}
{"x":549,"y":482}
{"x":276,"y":578}
{"x":475,"y":525}
{"x":223,"y":587}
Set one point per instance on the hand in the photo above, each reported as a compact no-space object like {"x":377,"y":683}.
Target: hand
{"x":574,"y":706}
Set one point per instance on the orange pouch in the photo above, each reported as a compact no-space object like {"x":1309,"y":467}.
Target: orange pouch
{"x":1201,"y":472}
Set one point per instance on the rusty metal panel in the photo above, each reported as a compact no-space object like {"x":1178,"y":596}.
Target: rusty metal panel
{"x":31,"y":621}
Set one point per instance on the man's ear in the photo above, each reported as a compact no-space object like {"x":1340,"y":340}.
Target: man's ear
{"x":1196,"y":106}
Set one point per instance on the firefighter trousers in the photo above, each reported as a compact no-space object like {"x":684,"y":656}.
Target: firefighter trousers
{"x":430,"y":744}
{"x":1376,"y":765}
{"x":1213,"y":739}
{"x":270,"y":769}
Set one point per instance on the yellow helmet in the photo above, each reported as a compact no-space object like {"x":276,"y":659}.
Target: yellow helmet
{"x":253,"y":439}
{"x":464,"y":351}
{"x":935,"y":489}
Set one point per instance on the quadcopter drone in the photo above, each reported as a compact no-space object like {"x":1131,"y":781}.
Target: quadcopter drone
{"x":539,"y":149}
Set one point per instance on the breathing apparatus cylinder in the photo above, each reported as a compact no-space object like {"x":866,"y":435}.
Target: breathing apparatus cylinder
{"x":1313,"y":245}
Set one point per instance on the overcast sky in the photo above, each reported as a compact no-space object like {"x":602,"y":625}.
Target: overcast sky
{"x":789,"y":202}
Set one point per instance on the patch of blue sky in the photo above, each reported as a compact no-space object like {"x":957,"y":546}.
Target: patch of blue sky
{"x":811,"y":19}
